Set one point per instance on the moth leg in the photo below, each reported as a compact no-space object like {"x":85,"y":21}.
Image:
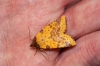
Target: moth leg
{"x":41,"y":50}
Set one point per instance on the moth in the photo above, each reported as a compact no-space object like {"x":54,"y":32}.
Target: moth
{"x":53,"y":36}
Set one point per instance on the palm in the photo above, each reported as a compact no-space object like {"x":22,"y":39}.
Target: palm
{"x":83,"y":25}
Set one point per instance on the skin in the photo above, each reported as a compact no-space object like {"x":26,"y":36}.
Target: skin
{"x":83,"y":20}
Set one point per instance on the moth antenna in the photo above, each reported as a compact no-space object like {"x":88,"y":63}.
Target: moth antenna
{"x":35,"y":51}
{"x":29,"y":33}
{"x":31,"y":40}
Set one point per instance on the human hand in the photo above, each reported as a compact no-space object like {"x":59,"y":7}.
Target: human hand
{"x":82,"y":21}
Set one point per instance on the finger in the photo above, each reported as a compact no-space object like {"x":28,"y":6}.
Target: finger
{"x":76,"y":22}
{"x":83,"y":18}
{"x":86,"y":53}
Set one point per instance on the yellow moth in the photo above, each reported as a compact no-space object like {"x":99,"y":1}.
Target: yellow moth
{"x":53,"y":36}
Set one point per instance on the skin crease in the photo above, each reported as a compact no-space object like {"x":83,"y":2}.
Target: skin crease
{"x":83,"y":25}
